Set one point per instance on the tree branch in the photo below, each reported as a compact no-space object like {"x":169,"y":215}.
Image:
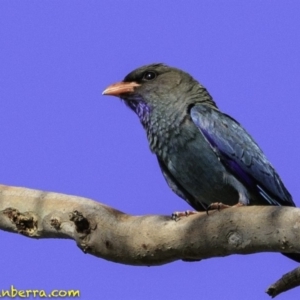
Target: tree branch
{"x":151,"y":240}
{"x":286,"y":282}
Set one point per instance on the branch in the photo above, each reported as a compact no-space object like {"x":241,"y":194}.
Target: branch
{"x":286,"y":282}
{"x":149,"y":240}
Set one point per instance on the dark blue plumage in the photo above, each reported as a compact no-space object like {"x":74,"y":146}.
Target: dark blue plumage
{"x":241,"y":156}
{"x":205,"y":156}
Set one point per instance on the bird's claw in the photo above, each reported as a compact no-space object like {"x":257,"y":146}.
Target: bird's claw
{"x":178,"y":214}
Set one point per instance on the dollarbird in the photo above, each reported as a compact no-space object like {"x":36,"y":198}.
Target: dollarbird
{"x":204,"y":155}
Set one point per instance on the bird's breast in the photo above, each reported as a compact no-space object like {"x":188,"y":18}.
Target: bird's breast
{"x":197,"y":169}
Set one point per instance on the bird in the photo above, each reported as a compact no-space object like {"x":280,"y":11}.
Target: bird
{"x":203,"y":153}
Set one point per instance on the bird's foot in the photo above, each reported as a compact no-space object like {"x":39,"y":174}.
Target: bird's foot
{"x":178,"y":214}
{"x":220,"y":205}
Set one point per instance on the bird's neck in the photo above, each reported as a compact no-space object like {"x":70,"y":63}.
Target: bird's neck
{"x":169,"y":119}
{"x":141,"y":109}
{"x":154,"y":124}
{"x":162,"y":128}
{"x":143,"y":112}
{"x":165,"y":121}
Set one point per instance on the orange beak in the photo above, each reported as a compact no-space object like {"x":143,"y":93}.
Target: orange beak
{"x":117,"y":89}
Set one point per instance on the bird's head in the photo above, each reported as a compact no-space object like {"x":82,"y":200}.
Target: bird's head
{"x":159,"y":90}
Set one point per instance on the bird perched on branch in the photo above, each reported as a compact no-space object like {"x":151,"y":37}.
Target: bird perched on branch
{"x":205,"y":155}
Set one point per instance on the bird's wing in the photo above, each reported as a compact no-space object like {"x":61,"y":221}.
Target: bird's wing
{"x":240,"y":154}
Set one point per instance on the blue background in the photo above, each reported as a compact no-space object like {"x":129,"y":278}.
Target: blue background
{"x":58,"y":133}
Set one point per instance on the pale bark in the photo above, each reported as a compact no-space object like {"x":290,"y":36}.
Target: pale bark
{"x":152,"y":240}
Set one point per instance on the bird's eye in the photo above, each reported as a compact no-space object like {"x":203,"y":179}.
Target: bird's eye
{"x":149,"y":75}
